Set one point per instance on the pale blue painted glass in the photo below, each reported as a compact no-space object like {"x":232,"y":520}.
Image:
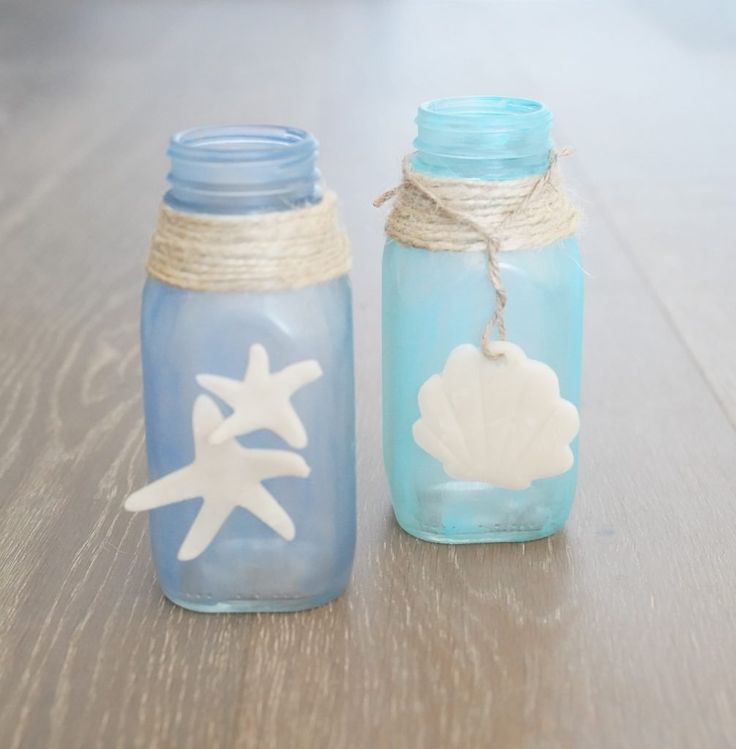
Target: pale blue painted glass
{"x":248,"y":567}
{"x":435,"y":301}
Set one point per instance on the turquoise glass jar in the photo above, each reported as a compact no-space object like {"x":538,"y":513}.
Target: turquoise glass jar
{"x":294,"y":550}
{"x":435,"y":301}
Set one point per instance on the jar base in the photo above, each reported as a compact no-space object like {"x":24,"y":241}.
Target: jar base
{"x":471,"y":513}
{"x":255,"y":605}
{"x":481,"y":537}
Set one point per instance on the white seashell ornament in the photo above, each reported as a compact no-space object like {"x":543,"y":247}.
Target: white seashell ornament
{"x":500,"y":421}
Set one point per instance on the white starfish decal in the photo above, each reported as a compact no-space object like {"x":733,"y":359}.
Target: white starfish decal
{"x":226,"y":476}
{"x":262,"y":399}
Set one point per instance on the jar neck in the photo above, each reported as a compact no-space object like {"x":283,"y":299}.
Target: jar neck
{"x":482,"y":137}
{"x":242,"y":169}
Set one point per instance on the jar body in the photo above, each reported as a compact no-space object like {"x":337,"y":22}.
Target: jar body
{"x":434,"y":301}
{"x":247,"y":566}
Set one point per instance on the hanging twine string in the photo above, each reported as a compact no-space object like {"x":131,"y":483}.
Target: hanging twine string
{"x":462,"y":215}
{"x":254,"y":252}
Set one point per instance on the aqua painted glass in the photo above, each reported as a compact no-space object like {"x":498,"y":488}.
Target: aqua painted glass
{"x":436,"y":301}
{"x":184,"y":333}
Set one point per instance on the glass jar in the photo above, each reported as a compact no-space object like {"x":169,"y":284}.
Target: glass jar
{"x":434,"y":301}
{"x":189,"y":335}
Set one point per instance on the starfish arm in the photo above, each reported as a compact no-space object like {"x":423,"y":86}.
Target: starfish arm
{"x":290,"y":427}
{"x":263,"y":505}
{"x":257,"y":363}
{"x":210,"y":518}
{"x":222,"y":387}
{"x":235,"y":424}
{"x":297,"y":375}
{"x":268,"y":464}
{"x":174,"y":487}
{"x":285,"y":422}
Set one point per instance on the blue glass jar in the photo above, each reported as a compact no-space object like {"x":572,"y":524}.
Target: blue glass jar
{"x":436,"y":301}
{"x":189,"y":335}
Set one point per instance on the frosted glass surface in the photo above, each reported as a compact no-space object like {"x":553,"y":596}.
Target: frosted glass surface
{"x":435,"y":301}
{"x":248,"y":567}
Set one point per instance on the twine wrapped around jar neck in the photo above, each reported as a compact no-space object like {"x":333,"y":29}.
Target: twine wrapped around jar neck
{"x":253,"y":252}
{"x":463,"y":215}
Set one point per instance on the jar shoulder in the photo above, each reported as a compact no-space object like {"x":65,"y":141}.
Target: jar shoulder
{"x":322,"y":309}
{"x":558,"y":264}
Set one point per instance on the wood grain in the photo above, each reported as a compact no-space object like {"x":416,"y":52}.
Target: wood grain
{"x":618,"y":632}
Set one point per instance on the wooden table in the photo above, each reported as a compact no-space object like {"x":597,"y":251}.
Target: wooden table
{"x":618,"y":632}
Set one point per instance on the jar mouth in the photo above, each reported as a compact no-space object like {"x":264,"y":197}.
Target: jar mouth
{"x":488,"y":110}
{"x":484,"y":113}
{"x":243,"y":144}
{"x":241,"y":168}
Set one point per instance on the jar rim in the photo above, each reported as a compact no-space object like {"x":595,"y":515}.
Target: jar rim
{"x":242,"y":144}
{"x":483,"y":137}
{"x":494,"y":113}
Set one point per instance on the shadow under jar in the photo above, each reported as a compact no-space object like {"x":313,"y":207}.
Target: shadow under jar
{"x":434,"y":301}
{"x":218,"y":174}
